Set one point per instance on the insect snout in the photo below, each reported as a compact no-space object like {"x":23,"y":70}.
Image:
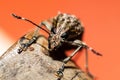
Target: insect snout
{"x":54,"y":41}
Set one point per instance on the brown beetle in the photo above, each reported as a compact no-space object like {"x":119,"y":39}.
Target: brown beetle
{"x":64,"y":28}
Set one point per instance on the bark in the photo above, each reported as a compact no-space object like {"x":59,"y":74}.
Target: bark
{"x":35,"y":64}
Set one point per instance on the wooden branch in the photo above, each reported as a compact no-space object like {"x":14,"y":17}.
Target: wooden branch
{"x":35,"y":64}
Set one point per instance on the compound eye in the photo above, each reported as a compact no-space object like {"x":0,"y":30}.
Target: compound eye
{"x":53,"y":30}
{"x":64,"y":35}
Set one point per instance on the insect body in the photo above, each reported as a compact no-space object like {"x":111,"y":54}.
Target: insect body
{"x":64,"y":28}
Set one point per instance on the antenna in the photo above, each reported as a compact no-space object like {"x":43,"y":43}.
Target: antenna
{"x":19,"y":17}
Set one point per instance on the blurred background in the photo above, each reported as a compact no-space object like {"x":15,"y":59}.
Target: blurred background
{"x":101,"y":19}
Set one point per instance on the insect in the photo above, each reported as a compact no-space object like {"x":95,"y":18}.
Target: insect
{"x":64,"y":28}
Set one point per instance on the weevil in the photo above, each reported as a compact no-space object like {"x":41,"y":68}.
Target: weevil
{"x":63,"y":28}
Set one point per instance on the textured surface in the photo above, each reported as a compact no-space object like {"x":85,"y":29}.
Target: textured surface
{"x":34,"y":64}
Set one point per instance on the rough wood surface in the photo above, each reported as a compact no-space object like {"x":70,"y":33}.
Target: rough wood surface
{"x":34,"y":64}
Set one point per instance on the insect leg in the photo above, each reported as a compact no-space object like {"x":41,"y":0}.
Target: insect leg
{"x":47,"y":25}
{"x":86,"y":64}
{"x":84,"y":45}
{"x":26,"y":42}
{"x":60,"y":71}
{"x":78,"y":43}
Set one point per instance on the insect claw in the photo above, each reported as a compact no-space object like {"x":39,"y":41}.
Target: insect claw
{"x":97,"y":53}
{"x":20,"y":50}
{"x":59,"y":74}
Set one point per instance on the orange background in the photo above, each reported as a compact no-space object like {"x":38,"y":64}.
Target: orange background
{"x":101,"y":19}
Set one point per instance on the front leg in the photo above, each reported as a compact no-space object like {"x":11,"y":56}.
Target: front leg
{"x":84,"y":45}
{"x":24,"y":46}
{"x":59,"y":73}
{"x":27,"y":40}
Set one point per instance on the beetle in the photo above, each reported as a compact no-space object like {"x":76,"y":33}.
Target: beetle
{"x":63,"y":28}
